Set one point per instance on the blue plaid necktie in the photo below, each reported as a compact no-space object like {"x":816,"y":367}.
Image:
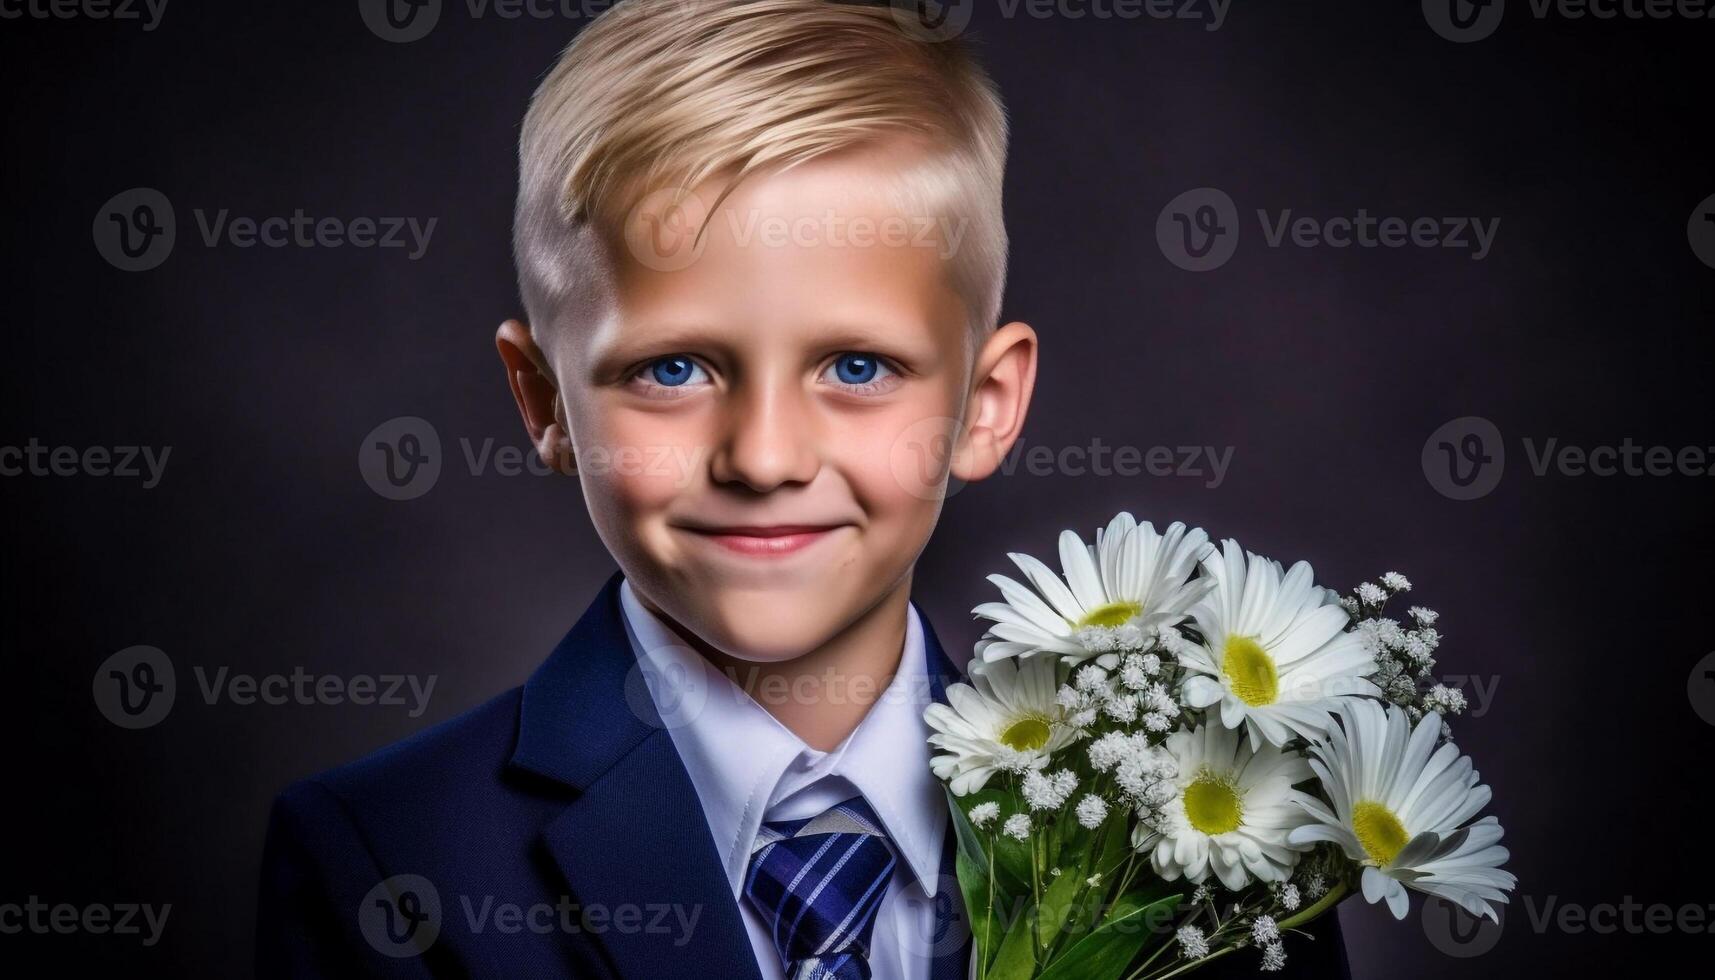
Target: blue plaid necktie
{"x":817,"y":883}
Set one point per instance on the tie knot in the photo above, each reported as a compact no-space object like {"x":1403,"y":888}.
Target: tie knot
{"x":817,"y":884}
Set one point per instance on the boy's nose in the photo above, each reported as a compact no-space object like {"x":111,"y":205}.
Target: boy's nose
{"x":769,"y":442}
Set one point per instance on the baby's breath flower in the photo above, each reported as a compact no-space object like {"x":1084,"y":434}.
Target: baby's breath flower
{"x":1315,"y":886}
{"x":1445,"y":700}
{"x":1371,"y":594}
{"x":1017,"y":827}
{"x":1274,"y":957}
{"x":1422,"y":616}
{"x":1192,"y":945}
{"x":1048,"y":791}
{"x":1091,"y":679}
{"x":1289,"y":897}
{"x":1122,"y":709}
{"x":1132,"y":674}
{"x":1109,"y":750}
{"x":1092,"y":810}
{"x":1395,"y":582}
{"x":1070,"y":698}
{"x":1264,"y":930}
{"x":983,"y":813}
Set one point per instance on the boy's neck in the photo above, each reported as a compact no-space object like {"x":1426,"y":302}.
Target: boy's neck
{"x":822,"y":695}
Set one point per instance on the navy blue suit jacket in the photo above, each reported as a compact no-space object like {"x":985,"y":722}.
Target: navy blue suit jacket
{"x":552,"y":832}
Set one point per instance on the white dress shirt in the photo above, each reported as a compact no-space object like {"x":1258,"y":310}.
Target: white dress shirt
{"x":748,"y":768}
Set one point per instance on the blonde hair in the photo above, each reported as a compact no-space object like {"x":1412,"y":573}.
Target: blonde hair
{"x":657,"y":93}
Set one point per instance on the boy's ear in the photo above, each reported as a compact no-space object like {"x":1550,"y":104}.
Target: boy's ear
{"x":1001,"y":384}
{"x":538,"y":399}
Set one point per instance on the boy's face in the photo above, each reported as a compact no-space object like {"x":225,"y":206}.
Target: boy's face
{"x":764,"y":424}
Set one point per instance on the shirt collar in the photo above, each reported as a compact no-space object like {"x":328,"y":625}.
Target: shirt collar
{"x":742,"y":761}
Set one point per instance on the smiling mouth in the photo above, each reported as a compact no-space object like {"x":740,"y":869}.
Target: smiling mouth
{"x":765,"y":542}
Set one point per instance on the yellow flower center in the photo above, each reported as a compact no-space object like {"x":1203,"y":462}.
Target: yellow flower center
{"x":1251,"y":671}
{"x":1026,"y":734}
{"x":1379,"y":831}
{"x":1111,"y":615}
{"x":1212,"y":805}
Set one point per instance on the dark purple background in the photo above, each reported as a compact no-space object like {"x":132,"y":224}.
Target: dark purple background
{"x":1585,"y":599}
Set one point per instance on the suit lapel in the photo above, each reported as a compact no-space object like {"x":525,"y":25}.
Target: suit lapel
{"x":951,"y":917}
{"x":634,"y":837}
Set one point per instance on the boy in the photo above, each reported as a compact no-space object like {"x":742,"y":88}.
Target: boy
{"x":761,"y":251}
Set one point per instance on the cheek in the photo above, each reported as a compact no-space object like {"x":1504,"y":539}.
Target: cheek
{"x":635,"y":463}
{"x":896,"y":460}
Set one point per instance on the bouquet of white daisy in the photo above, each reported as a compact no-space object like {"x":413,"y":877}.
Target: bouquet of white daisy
{"x":1175,"y":752}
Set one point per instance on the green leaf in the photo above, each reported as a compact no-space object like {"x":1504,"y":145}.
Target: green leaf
{"x":1011,"y":857}
{"x":974,"y":884}
{"x":970,"y":842}
{"x":1057,"y":904}
{"x":1016,"y":959}
{"x":1110,"y":949}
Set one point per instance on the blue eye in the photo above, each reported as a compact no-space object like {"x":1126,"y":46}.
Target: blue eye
{"x":858,"y":369}
{"x":672,"y":372}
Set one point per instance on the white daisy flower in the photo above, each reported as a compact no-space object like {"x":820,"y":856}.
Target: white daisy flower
{"x":1275,"y":655}
{"x":1005,"y":719}
{"x":1399,"y":809}
{"x":1230,"y":812}
{"x":1116,"y":593}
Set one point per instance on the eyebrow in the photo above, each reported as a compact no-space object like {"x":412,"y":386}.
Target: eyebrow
{"x":660,"y":340}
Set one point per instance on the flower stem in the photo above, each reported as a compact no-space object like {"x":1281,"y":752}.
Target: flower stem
{"x":1323,"y":904}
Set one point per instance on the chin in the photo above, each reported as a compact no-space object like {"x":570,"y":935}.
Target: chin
{"x":770,"y":627}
